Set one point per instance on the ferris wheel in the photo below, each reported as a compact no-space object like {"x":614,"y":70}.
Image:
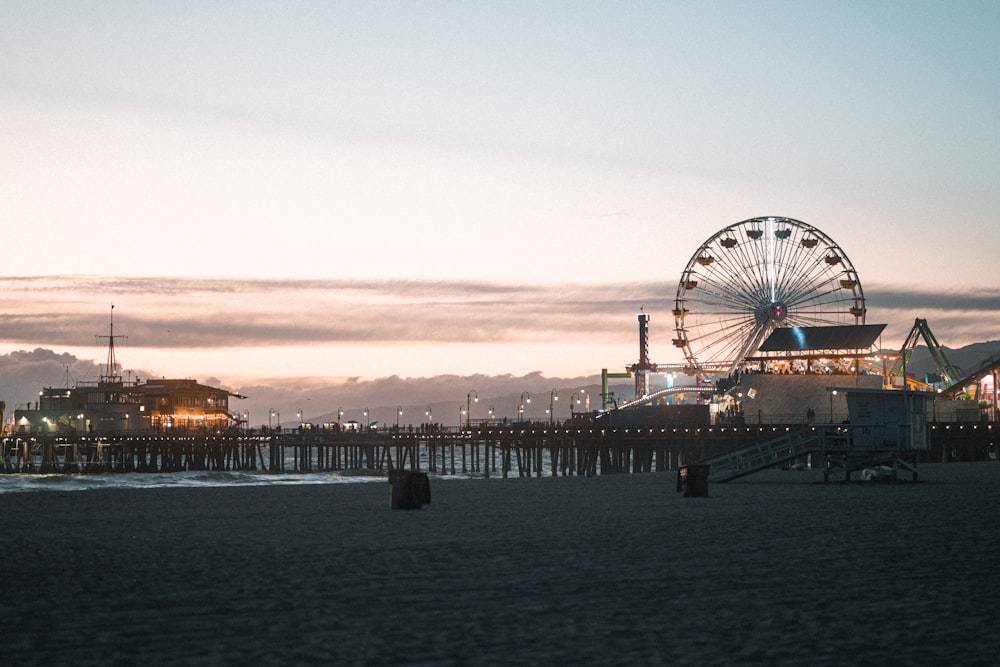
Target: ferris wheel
{"x":753,"y":277}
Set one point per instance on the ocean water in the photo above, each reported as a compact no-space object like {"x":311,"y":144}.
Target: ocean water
{"x":24,"y":482}
{"x":19,"y":483}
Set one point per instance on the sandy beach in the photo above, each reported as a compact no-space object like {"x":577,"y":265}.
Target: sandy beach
{"x":771,"y":569}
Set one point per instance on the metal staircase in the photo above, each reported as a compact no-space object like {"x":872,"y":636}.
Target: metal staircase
{"x":764,"y":454}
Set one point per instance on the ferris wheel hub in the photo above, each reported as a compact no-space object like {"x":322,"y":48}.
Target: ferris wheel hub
{"x":775,"y":312}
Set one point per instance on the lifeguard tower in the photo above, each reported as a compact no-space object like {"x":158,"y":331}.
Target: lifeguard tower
{"x":884,"y":431}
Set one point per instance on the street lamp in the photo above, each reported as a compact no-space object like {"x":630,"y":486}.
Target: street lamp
{"x":399,"y":412}
{"x":340,"y":415}
{"x":832,"y":394}
{"x":493,"y":414}
{"x":525,"y":398}
{"x":430,"y":414}
{"x":368,"y":423}
{"x":270,"y":414}
{"x":246,"y":420}
{"x":553,"y":396}
{"x":299,"y":414}
{"x":461,"y":414}
{"x":468,"y":406}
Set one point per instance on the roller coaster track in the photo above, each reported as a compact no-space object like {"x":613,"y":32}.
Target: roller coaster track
{"x":650,"y":398}
{"x":986,"y":368}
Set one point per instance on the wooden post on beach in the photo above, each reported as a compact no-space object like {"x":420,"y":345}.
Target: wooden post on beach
{"x":408,"y":490}
{"x":693,"y":480}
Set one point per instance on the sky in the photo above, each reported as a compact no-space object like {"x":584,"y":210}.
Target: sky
{"x":313,"y":191}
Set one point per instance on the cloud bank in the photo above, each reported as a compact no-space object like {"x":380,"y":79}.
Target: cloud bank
{"x":219,"y":313}
{"x":53,"y":328}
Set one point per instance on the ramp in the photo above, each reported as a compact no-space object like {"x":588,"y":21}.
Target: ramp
{"x":764,"y":454}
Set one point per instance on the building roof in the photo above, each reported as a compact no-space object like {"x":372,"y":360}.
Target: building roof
{"x":802,"y":339}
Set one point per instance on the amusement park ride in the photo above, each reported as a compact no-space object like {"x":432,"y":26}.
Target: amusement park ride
{"x":944,"y":368}
{"x":753,"y":277}
{"x":766,"y":276}
{"x":774,"y":296}
{"x":742,"y":284}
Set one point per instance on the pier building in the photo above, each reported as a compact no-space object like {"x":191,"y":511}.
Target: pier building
{"x":113,"y":406}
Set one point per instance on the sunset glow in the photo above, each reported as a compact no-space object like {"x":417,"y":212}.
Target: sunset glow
{"x":317,"y":190}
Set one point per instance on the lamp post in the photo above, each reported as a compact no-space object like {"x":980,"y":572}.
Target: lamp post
{"x":430,"y":414}
{"x":468,"y":406}
{"x":298,"y":413}
{"x":270,"y":414}
{"x":525,"y":398}
{"x":368,"y":423}
{"x":573,"y":400}
{"x":553,"y":397}
{"x":246,"y":420}
{"x":832,"y":394}
{"x":461,"y":415}
{"x":399,"y":412}
{"x":340,"y":415}
{"x":493,"y":414}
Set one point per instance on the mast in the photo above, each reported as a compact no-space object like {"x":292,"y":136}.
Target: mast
{"x":111,"y":374}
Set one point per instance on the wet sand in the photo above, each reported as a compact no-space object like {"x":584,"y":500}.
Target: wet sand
{"x":772,"y":569}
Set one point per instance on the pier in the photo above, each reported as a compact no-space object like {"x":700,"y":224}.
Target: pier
{"x":531,"y":451}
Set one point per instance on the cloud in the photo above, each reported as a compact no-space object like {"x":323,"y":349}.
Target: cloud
{"x":23,"y":373}
{"x":957,"y":318}
{"x":984,"y":299}
{"x":187,"y":313}
{"x":256,"y":318}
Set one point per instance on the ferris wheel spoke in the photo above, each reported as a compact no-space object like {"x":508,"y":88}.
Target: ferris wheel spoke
{"x":727,"y":272}
{"x":752,"y":342}
{"x":806,"y":273}
{"x":819,"y":297}
{"x":712,"y":293}
{"x":742,"y":271}
{"x":818,"y":285}
{"x":808,"y":299}
{"x":711,"y":335}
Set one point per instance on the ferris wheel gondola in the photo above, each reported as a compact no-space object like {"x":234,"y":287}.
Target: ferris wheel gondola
{"x":753,"y":277}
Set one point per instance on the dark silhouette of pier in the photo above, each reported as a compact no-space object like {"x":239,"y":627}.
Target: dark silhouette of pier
{"x":478,"y":451}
